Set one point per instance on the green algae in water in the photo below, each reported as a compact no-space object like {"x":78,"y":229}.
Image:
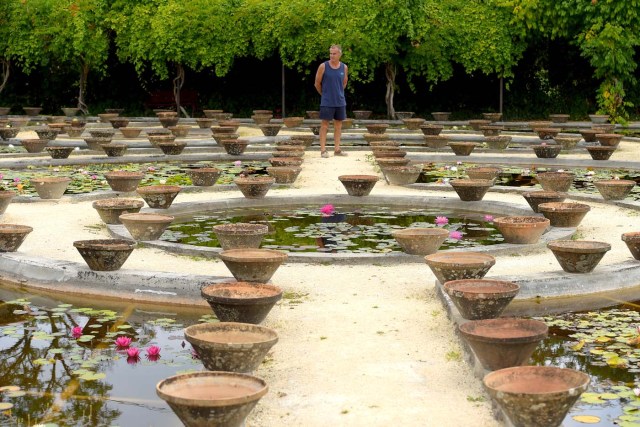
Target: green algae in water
{"x":349,"y":230}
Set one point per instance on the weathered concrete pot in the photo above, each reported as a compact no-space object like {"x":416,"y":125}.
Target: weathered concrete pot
{"x":493,"y":117}
{"x":293,"y":122}
{"x":601,"y":153}
{"x":538,"y":124}
{"x":371,"y":137}
{"x":210,"y":114}
{"x":172,"y":148}
{"x":559,"y":118}
{"x":564,"y":214}
{"x":521,"y":230}
{"x":391,"y":152}
{"x":578,"y":256}
{"x":284,"y":174}
{"x":254,"y":187}
{"x":59,"y":152}
{"x":535,"y":198}
{"x":240,"y":235}
{"x":8,"y":133}
{"x":481,"y":298}
{"x":205,"y":122}
{"x":270,"y":129}
{"x":290,"y":153}
{"x":377,"y":127}
{"x":484,"y":172}
{"x":436,"y":141}
{"x":609,"y":139}
{"x":547,"y":151}
{"x":402,"y":115}
{"x":105,"y":117}
{"x":203,"y":399}
{"x":105,"y":254}
{"x":285,"y":161}
{"x":431,"y":129}
{"x":497,"y":142}
{"x":34,"y":145}
{"x":12,"y":236}
{"x":158,"y":132}
{"x":603,"y":127}
{"x":262,"y":119}
{"x":159,"y":196}
{"x":413,"y":124}
{"x":614,"y":189}
{"x":566,"y":142}
{"x":358,"y":114}
{"x":114,"y":150}
{"x":234,"y":147}
{"x":167,"y":122}
{"x":241,"y":301}
{"x":503,"y":342}
{"x":599,"y":118}
{"x":291,"y":143}
{"x":156,"y":139}
{"x":4,"y":111}
{"x":471,"y":189}
{"x":385,"y":162}
{"x":95,"y":143}
{"x":231,"y":346}
{"x":180,"y":131}
{"x":589,"y":135}
{"x":293,"y":146}
{"x":555,"y":181}
{"x":253,"y":265}
{"x":447,"y":266}
{"x":491,"y":130}
{"x":476,"y":124}
{"x":111,"y":209}
{"x":102,"y":133}
{"x":124,"y":181}
{"x":420,"y":241}
{"x":441,"y":116}
{"x":18,"y":122}
{"x":632,"y":240}
{"x":385,"y":143}
{"x":462,"y":148}
{"x":547,"y":133}
{"x":146,"y":226}
{"x":32,"y":111}
{"x":315,"y":129}
{"x":74,"y":132}
{"x":204,"y":177}
{"x":119,"y":122}
{"x":70,"y":111}
{"x":52,"y":187}
{"x":5,"y":199}
{"x":308,"y":140}
{"x":358,"y":185}
{"x":536,"y":396}
{"x":402,"y":175}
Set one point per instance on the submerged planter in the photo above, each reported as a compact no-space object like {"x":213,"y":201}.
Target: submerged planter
{"x":204,"y":177}
{"x":241,"y":301}
{"x":111,"y":209}
{"x":401,"y":175}
{"x":614,"y":189}
{"x":503,"y":342}
{"x":547,"y":151}
{"x":240,"y":235}
{"x":420,"y":241}
{"x":146,"y":226}
{"x":159,"y":196}
{"x":105,"y":254}
{"x":231,"y":346}
{"x":564,"y":214}
{"x":470,"y":190}
{"x":447,"y":266}
{"x":555,"y":181}
{"x":536,"y":396}
{"x":59,"y":152}
{"x":521,"y":229}
{"x":212,"y":398}
{"x":462,"y":148}
{"x":50,"y":187}
{"x":123,"y":181}
{"x":497,"y":142}
{"x":284,"y":174}
{"x":601,"y":153}
{"x":578,"y":256}
{"x":254,"y":187}
{"x":535,"y":198}
{"x":481,"y":298}
{"x":253,"y":265}
{"x":358,"y":185}
{"x":632,"y":240}
{"x":12,"y":236}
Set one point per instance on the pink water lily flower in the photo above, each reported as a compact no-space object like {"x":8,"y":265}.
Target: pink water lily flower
{"x":123,"y":342}
{"x":455,"y":235}
{"x":76,"y":332}
{"x":442,"y":220}
{"x":153,"y":351}
{"x":636,"y":391}
{"x":488,"y":218}
{"x":133,"y":352}
{"x":327,"y":210}
{"x":237,"y":163}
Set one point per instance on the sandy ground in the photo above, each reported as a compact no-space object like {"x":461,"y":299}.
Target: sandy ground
{"x":359,"y":345}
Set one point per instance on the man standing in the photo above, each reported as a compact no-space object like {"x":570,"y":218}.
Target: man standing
{"x":331,"y":79}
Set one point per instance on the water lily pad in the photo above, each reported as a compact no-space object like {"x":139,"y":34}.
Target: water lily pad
{"x":93,"y":376}
{"x":586,"y":419}
{"x":5,"y":406}
{"x":9,"y":388}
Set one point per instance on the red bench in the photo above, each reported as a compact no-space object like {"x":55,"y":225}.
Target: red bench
{"x":165,"y":99}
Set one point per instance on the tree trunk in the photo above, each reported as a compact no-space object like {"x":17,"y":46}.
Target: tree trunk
{"x":6,"y":66}
{"x":390,"y":73}
{"x":178,"y":82}
{"x":83,"y":88}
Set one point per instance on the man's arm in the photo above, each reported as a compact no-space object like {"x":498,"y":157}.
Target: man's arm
{"x":319,"y":74}
{"x":346,"y":72}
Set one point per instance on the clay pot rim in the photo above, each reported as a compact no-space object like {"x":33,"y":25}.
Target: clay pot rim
{"x":462,"y":182}
{"x":240,"y":229}
{"x":601,"y":148}
{"x":124,"y":174}
{"x":545,"y":194}
{"x":404,"y":169}
{"x":15,"y":228}
{"x":630,"y":236}
{"x":579,"y":246}
{"x":211,"y":293}
{"x":531,"y":330}
{"x":51,"y":179}
{"x":156,"y":189}
{"x":469,"y":259}
{"x":461,"y":143}
{"x":522,"y":221}
{"x":555,"y":173}
{"x":283,"y":168}
{"x":106,"y":244}
{"x":358,"y":178}
{"x":468,"y":287}
{"x":97,"y":139}
{"x":621,"y":182}
{"x":253,"y":255}
{"x":162,"y":389}
{"x":191,"y":334}
{"x":432,"y":126}
{"x":117,"y":204}
{"x":563,"y":207}
{"x":59,"y":147}
{"x":6,"y":194}
{"x":420,"y":232}
{"x":580,"y":380}
{"x":146,"y":217}
{"x":259,"y":179}
{"x":172,"y":144}
{"x":204,"y":170}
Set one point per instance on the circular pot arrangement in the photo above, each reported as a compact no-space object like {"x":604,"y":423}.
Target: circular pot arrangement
{"x":564,"y":214}
{"x":111,"y":209}
{"x":535,"y":198}
{"x":34,"y":145}
{"x":601,"y":153}
{"x":105,"y":254}
{"x":547,"y":151}
{"x":555,"y":181}
{"x":234,"y":147}
{"x":358,"y":185}
{"x":420,"y":241}
{"x":159,"y":196}
{"x":447,"y":266}
{"x":481,"y":298}
{"x":253,"y":265}
{"x":462,"y":148}
{"x":59,"y":152}
{"x":522,"y":230}
{"x":124,"y":181}
{"x":52,"y":187}
{"x":145,"y":226}
{"x":12,"y":236}
{"x":470,"y":190}
{"x":254,"y":187}
{"x":284,"y":174}
{"x":240,"y":235}
{"x":614,"y":189}
{"x":241,"y":301}
{"x":578,"y":256}
{"x":204,"y":177}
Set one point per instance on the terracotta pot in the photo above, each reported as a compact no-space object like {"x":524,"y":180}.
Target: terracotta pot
{"x":632,"y":240}
{"x":567,"y":142}
{"x":8,"y":133}
{"x":34,"y":145}
{"x":447,"y":266}
{"x":145,"y":226}
{"x":462,"y":148}
{"x":589,"y":135}
{"x":555,"y":181}
{"x":403,"y":115}
{"x":441,"y":116}
{"x":114,"y":150}
{"x":254,"y":187}
{"x":293,"y":146}
{"x":377,"y":128}
{"x":599,"y":118}
{"x":291,"y":143}
{"x":18,"y":122}
{"x":234,"y":124}
{"x":420,"y":241}
{"x":413,"y":124}
{"x":52,"y":187}
{"x":270,"y":129}
{"x":59,"y":152}
{"x":535,"y":198}
{"x":385,"y":162}
{"x":614,"y":189}
{"x":484,"y":172}
{"x":124,"y":181}
{"x":204,"y":177}
{"x":559,"y":118}
{"x":601,"y":153}
{"x":157,"y":139}
{"x":491,"y":130}
{"x":360,"y":114}
{"x":253,"y":265}
{"x":102,"y":133}
{"x":536,"y":396}
{"x":471,"y":189}
{"x":493,"y":117}
{"x":172,"y":148}
{"x":212,"y":398}
{"x":204,"y":122}
{"x":521,"y":229}
{"x":111,"y":209}
{"x":105,"y":254}
{"x":284,"y":174}
{"x":234,"y":147}
{"x":476,"y":124}
{"x":402,"y":175}
{"x":240,"y":235}
{"x":481,"y":298}
{"x":159,"y":196}
{"x":374,"y":137}
{"x":5,"y":199}
{"x":609,"y":139}
{"x":547,"y":151}
{"x":503,"y":342}
{"x":564,"y":214}
{"x":96,"y":143}
{"x":431,"y":129}
{"x":578,"y":256}
{"x":385,"y":144}
{"x":119,"y":122}
{"x":308,"y":140}
{"x":221,"y":116}
{"x":358,"y":185}
{"x":293,"y":122}
{"x":241,"y":301}
{"x":436,"y":141}
{"x":12,"y":236}
{"x":231,"y":346}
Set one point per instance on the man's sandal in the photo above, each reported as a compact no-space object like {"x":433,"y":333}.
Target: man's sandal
{"x":339,"y":153}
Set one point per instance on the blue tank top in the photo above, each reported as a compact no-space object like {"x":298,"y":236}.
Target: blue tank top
{"x":332,"y":90}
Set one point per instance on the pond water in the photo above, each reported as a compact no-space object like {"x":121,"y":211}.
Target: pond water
{"x":349,"y":229}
